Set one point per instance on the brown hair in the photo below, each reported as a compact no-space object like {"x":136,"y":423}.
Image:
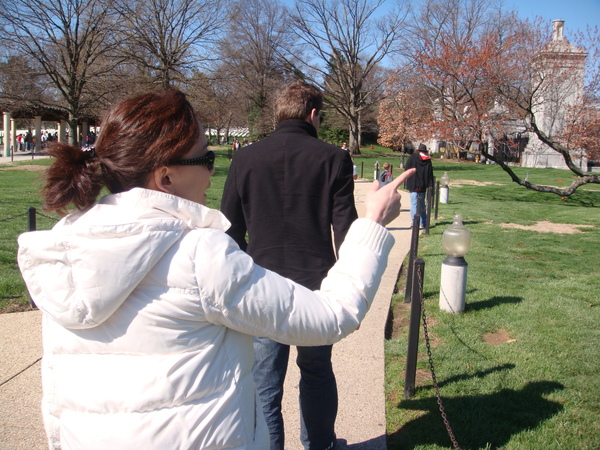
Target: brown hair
{"x":136,"y":137}
{"x":296,"y":100}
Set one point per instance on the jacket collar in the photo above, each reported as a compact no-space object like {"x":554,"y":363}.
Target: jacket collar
{"x":296,"y":126}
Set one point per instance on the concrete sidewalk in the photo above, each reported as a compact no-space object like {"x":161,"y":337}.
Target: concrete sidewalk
{"x":358,"y":360}
{"x":358,"y":363}
{"x":21,"y":156}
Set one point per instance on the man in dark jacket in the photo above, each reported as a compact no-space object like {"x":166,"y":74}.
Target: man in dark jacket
{"x":288,"y":192}
{"x":417,"y":184}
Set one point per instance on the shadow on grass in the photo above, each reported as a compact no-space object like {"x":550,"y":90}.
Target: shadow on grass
{"x":477,"y":421}
{"x":491,"y":303}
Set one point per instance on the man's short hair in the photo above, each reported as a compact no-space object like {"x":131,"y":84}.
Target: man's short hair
{"x":296,"y":100}
{"x":423,"y":148}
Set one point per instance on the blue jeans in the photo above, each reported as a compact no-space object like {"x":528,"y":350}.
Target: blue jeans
{"x":417,"y":206}
{"x":318,"y":392}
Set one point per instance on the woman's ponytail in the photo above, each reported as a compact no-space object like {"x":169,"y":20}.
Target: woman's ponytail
{"x":74,"y":178}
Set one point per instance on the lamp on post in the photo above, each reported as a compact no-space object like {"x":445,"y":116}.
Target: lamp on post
{"x":444,"y":189}
{"x":456,"y":241}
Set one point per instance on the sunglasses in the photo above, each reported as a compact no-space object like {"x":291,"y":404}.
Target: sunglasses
{"x":207,"y":160}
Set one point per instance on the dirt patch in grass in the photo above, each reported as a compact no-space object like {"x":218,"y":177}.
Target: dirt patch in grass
{"x":474,"y":183}
{"x":498,"y":337}
{"x":29,"y":167}
{"x":549,"y":227}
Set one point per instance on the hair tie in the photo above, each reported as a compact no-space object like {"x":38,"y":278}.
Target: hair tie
{"x":90,"y":155}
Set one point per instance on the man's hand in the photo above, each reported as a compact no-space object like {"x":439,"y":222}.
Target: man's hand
{"x":383,"y":205}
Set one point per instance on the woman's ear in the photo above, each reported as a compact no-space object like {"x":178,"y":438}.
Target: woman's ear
{"x":160,"y":180}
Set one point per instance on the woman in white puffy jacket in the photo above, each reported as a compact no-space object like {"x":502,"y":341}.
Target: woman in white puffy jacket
{"x":149,"y":307}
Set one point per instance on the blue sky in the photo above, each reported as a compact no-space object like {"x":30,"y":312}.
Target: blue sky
{"x":576,"y":13}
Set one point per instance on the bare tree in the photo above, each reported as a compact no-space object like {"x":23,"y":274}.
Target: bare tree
{"x":71,"y":42}
{"x":215,"y":102}
{"x":169,"y":38}
{"x":251,"y":53}
{"x":404,"y":111}
{"x":346,"y":42}
{"x":19,"y":82}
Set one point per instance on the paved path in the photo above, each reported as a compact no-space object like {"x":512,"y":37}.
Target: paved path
{"x":358,"y":364}
{"x":20,"y":156}
{"x":358,"y":360}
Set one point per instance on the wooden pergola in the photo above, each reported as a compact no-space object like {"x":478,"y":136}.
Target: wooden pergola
{"x":13,"y":111}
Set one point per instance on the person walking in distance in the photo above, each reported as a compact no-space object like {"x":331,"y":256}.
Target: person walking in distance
{"x":417,"y":185}
{"x":386,"y":175}
{"x":288,"y":192}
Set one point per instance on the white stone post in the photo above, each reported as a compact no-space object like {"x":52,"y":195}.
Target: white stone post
{"x":85,"y":131}
{"x":6,"y":140}
{"x":62,"y":131}
{"x":13,"y":134}
{"x":453,"y":285}
{"x":38,"y":134}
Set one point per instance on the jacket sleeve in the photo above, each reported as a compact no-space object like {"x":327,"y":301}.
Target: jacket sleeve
{"x":344,"y":210}
{"x":231,"y":207}
{"x":242,"y":296}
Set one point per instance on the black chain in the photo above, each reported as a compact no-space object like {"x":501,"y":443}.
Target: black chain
{"x":47,"y":217}
{"x":433,"y":377}
{"x":13,"y":217}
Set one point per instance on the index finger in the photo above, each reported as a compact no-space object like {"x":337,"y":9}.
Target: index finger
{"x":402,"y":178}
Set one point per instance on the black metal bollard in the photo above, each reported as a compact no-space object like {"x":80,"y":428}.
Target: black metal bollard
{"x":412,"y":255}
{"x":31,"y":226}
{"x":413,"y":329}
{"x":429,"y":198}
{"x":437,"y":198}
{"x":31,"y":223}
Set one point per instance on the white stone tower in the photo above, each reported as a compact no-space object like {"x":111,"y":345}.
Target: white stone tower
{"x":558,"y":79}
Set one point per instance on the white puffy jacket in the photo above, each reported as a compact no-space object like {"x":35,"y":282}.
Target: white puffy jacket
{"x":149,"y":308}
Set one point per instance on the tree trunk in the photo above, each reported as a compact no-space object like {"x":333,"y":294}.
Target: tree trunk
{"x":354,"y":137}
{"x":73,"y":137}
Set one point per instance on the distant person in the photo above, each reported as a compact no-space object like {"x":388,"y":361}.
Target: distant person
{"x":386,"y":175}
{"x":289,"y":192}
{"x":149,"y":307}
{"x":418,"y":184}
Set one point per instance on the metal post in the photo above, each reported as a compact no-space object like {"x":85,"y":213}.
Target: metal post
{"x":413,"y":329}
{"x":437,"y":198}
{"x":412,"y":255}
{"x":429,"y":196}
{"x":31,"y":224}
{"x":362,"y":169}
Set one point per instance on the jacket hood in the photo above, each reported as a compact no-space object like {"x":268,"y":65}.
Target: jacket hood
{"x":423,"y":158}
{"x":83,"y":269}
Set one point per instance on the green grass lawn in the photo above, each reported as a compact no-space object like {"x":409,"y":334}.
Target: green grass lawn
{"x":535,"y":294}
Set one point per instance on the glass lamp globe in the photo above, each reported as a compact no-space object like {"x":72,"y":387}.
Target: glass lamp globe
{"x":456,"y":238}
{"x":445,"y":179}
